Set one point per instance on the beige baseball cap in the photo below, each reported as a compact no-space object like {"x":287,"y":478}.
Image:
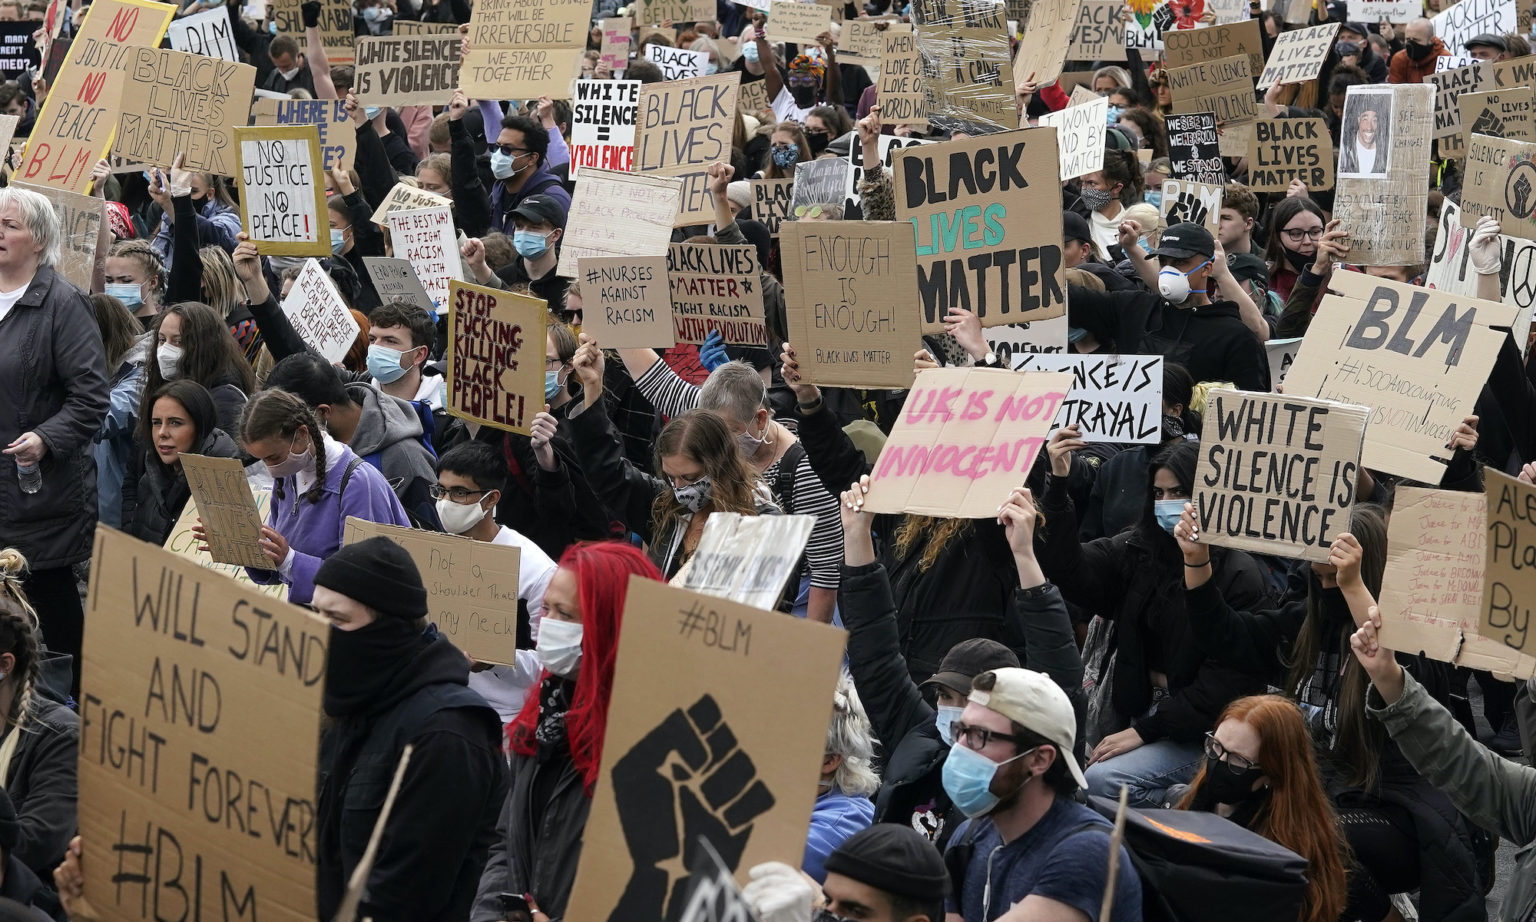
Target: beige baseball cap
{"x":1036,"y":703}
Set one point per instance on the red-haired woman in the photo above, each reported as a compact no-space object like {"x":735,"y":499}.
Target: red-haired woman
{"x":1260,"y":773}
{"x":557,"y":739}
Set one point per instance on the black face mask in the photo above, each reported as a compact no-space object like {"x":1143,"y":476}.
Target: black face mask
{"x":1225,"y":786}
{"x":360,"y":664}
{"x":1173,"y":427}
{"x":1296,"y":258}
{"x":818,"y":142}
{"x":1419,"y":51}
{"x":805,"y":96}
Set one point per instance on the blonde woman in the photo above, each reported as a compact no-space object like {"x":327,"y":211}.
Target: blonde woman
{"x":848,"y":780}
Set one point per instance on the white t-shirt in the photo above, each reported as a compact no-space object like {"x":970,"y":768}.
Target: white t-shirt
{"x":505,"y":687}
{"x":1365,"y":158}
{"x":1106,"y":231}
{"x":784,"y":108}
{"x":8,"y":300}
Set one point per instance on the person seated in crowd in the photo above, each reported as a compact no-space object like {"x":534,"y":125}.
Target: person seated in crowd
{"x":885,"y":873}
{"x":848,"y":778}
{"x":180,"y":420}
{"x":193,"y":344}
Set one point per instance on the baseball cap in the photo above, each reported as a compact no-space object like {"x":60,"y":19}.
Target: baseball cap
{"x":1036,"y":703}
{"x":1075,"y":227}
{"x":1487,"y":39}
{"x":969,"y":658}
{"x":1181,"y":241}
{"x":541,"y":209}
{"x":1356,"y":28}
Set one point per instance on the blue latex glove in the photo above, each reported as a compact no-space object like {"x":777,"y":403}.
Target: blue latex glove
{"x":712,"y":352}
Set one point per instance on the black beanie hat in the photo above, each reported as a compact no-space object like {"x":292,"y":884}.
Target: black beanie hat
{"x":894,"y":859}
{"x":379,"y":574}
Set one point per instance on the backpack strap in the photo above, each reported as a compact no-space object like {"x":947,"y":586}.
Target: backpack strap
{"x":346,"y":476}
{"x":784,"y":480}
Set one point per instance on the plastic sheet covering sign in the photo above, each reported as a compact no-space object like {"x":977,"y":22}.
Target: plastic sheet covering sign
{"x":199,"y":731}
{"x":523,"y":50}
{"x":1383,"y":204}
{"x":716,"y":287}
{"x":987,"y":217}
{"x":1501,"y":183}
{"x":747,"y":558}
{"x":1509,"y":580}
{"x":619,"y":214}
{"x":471,"y":586}
{"x":701,"y":749}
{"x":74,"y":128}
{"x":427,"y":238}
{"x":1417,"y":357}
{"x":230,"y":517}
{"x":965,"y":437}
{"x":1115,"y":398}
{"x":182,"y":544}
{"x":966,"y":63}
{"x":684,"y":126}
{"x":495,"y":356}
{"x":1432,"y":589}
{"x":1451,"y":270}
{"x":282,"y":197}
{"x":1276,"y":473}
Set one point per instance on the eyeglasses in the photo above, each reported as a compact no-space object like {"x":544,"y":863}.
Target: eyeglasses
{"x":807,"y":211}
{"x":552,"y":362}
{"x":1297,"y":236}
{"x":1235,"y":763}
{"x":979,"y":738}
{"x":457,"y":494}
{"x":508,"y":149}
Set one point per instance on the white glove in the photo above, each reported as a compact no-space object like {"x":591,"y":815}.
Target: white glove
{"x":1484,"y":247}
{"x":778,"y":893}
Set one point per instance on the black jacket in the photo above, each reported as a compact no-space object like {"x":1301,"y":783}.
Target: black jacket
{"x":26,"y":888}
{"x":911,"y":790}
{"x":53,"y":381}
{"x":154,"y":495}
{"x":41,"y":783}
{"x":443,"y":822}
{"x":1210,"y":341}
{"x":540,"y":861}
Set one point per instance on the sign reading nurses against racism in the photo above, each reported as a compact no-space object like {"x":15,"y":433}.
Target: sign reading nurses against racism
{"x":1115,"y":398}
{"x":987,"y":216}
{"x":700,"y":749}
{"x":495,"y":356}
{"x":199,"y":729}
{"x":1277,"y":473}
{"x":965,"y":437}
{"x":628,"y":302}
{"x":1417,"y":358}
{"x":282,"y":197}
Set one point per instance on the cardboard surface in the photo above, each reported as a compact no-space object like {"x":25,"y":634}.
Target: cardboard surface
{"x":684,"y":126}
{"x":282,"y":194}
{"x":1499,"y":114}
{"x":965,"y":438}
{"x":199,"y":741}
{"x":427,"y":238}
{"x":793,"y":21}
{"x":182,"y":544}
{"x":1213,"y":43}
{"x":1298,"y":55}
{"x":1078,"y":132}
{"x":967,"y":64}
{"x":614,"y":51}
{"x":718,"y":709}
{"x":1115,"y":398}
{"x":495,"y":356}
{"x":395,"y":280}
{"x":1223,"y":87}
{"x":748,"y":559}
{"x":407,"y":198}
{"x":319,"y":314}
{"x":716,"y":287}
{"x":603,"y":125}
{"x":1418,"y":358}
{"x":987,"y":216}
{"x":336,"y":26}
{"x":850,"y":293}
{"x":678,"y":11}
{"x":1449,"y":86}
{"x":619,"y":214}
{"x":1286,"y":149}
{"x":753,"y":98}
{"x":1384,"y":213}
{"x":338,"y":137}
{"x":628,"y":301}
{"x":1047,"y":37}
{"x":770,"y":202}
{"x":228,"y":510}
{"x":524,"y":49}
{"x":1195,"y":202}
{"x":472,"y":586}
{"x":420,"y":70}
{"x":900,"y":89}
{"x":1450,"y":269}
{"x":1508,"y":579}
{"x":80,"y":218}
{"x":178,"y":103}
{"x":1501,"y":183}
{"x":1276,"y":473}
{"x":1098,"y":34}
{"x":1194,"y":148}
{"x":862,"y":41}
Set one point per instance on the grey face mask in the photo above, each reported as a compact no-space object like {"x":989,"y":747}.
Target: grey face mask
{"x":694,"y":496}
{"x":1094,"y":199}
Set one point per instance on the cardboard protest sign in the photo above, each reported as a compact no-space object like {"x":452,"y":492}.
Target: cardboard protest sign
{"x":407,"y":198}
{"x":823,"y":181}
{"x":1393,"y":11}
{"x":888,"y":146}
{"x":614,"y":51}
{"x":74,"y":128}
{"x":619,"y":214}
{"x":965,"y":437}
{"x":1298,"y":55}
{"x":1079,"y":131}
{"x":679,"y":63}
{"x":753,"y":98}
{"x":862,"y":42}
{"x":628,"y":301}
{"x":1223,"y":87}
{"x":1499,"y":114}
{"x":208,"y":32}
{"x":184,"y":545}
{"x":1098,"y":34}
{"x":1193,"y":148}
{"x":716,"y":287}
{"x":228,"y":510}
{"x":850,"y":293}
{"x":748,"y":559}
{"x":395,"y":281}
{"x":1501,"y":183}
{"x":1432,"y":589}
{"x":410,"y":27}
{"x":1213,"y":43}
{"x":686,"y":125}
{"x":495,"y":356}
{"x":1153,"y":20}
{"x":603,"y":124}
{"x":338,"y":138}
{"x":801,"y":23}
{"x":1517,"y":72}
{"x":427,"y":238}
{"x":718,"y":707}
{"x":182,"y":670}
{"x":1418,"y":358}
{"x":900,"y":90}
{"x":8,"y":125}
{"x":1382,"y":201}
{"x":967,"y":72}
{"x":1470,"y":18}
{"x":179,"y":103}
{"x":986,"y":212}
{"x":713,"y":895}
{"x":658,"y":11}
{"x":1281,"y":354}
{"x":1508,"y":578}
{"x":1047,"y":37}
{"x":336,"y":26}
{"x":521,"y":50}
{"x":1287,"y":149}
{"x":319,"y":314}
{"x":472,"y":586}
{"x":410,"y":70}
{"x":1014,"y":343}
{"x":1276,"y":473}
{"x":282,"y":197}
{"x":770,"y":202}
{"x":1450,"y":270}
{"x":1195,"y":202}
{"x":1115,"y":398}
{"x":80,"y":218}
{"x":1449,"y":86}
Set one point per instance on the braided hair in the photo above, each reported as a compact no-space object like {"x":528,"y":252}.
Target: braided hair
{"x":276,"y":412}
{"x":19,"y":636}
{"x":12,"y":566}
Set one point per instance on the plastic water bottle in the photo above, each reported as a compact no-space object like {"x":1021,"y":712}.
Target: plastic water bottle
{"x":31,"y":477}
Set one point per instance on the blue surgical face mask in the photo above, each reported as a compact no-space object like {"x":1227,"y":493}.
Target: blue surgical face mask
{"x":1153,"y":197}
{"x":372,"y":14}
{"x":968,"y":778}
{"x":501,"y":165}
{"x":384,"y":364}
{"x":711,"y":68}
{"x":132,"y":296}
{"x":530,"y":245}
{"x":1114,"y":113}
{"x":945,"y":719}
{"x":1076,"y":334}
{"x":749,"y":52}
{"x":371,"y":111}
{"x":338,"y":241}
{"x":552,"y":384}
{"x":1168,"y":512}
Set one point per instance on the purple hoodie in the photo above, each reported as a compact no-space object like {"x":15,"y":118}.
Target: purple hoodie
{"x":313,"y":530}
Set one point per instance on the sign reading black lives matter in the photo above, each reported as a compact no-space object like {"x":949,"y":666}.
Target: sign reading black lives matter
{"x":1276,"y":473}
